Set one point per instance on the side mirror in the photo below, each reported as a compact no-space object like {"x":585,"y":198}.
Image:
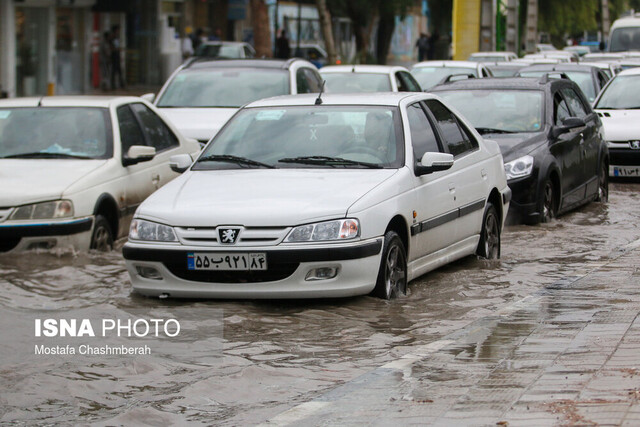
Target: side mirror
{"x":567,"y":124}
{"x":434,"y":162}
{"x":149,"y":97}
{"x":180,"y":162}
{"x":137,"y":154}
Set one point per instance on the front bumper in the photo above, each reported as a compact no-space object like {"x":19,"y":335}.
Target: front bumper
{"x":16,"y":235}
{"x":357,"y":263}
{"x":524,"y":201}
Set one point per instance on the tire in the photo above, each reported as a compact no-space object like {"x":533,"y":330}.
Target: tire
{"x":102,"y":236}
{"x":548,"y":208}
{"x":489,"y":245}
{"x":392,"y":276}
{"x":603,"y":183}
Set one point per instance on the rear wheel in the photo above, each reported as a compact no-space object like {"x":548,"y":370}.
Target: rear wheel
{"x":392,"y":276}
{"x":603,"y":183}
{"x":489,"y":245}
{"x":102,"y":236}
{"x":548,"y":209}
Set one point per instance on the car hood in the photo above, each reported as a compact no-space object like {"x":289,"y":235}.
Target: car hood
{"x":35,"y":180}
{"x":514,"y":145}
{"x":260,"y":197}
{"x":621,"y":125}
{"x":198,"y":123}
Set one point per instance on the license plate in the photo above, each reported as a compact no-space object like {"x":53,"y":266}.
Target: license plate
{"x":226,"y":261}
{"x":626,"y":170}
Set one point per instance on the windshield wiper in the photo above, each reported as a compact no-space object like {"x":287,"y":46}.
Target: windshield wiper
{"x":234,"y":159}
{"x":329,"y":161}
{"x":37,"y":154}
{"x":483,"y":131}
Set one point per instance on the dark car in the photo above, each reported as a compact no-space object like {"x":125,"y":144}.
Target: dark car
{"x":552,"y":142}
{"x":590,"y":79}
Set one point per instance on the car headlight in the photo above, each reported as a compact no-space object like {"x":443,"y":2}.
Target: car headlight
{"x":46,"y":210}
{"x":519,"y":167}
{"x":151,"y":231}
{"x":342,"y":229}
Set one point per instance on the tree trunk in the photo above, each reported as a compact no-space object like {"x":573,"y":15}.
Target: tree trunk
{"x":386,"y":25}
{"x":327,"y":30}
{"x":531,"y":38}
{"x":261,"y":28}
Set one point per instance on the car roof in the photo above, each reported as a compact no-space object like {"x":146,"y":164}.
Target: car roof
{"x":68,"y":101}
{"x":629,"y":72}
{"x":496,"y":83}
{"x":377,"y":98}
{"x":447,"y":63}
{"x":493,"y":53}
{"x":562,"y":66}
{"x":371,"y":69}
{"x":205,"y":63}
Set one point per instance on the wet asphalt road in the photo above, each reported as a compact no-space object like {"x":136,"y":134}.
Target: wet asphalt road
{"x":243,"y":362}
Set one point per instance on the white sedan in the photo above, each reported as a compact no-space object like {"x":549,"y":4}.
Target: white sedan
{"x":431,"y":73}
{"x":301,"y":197}
{"x":368,"y":78}
{"x":74,"y":169}
{"x":618,"y":106}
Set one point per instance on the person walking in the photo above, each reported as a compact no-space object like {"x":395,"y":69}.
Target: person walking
{"x":423,"y":47}
{"x":283,"y":50}
{"x":116,"y":68}
{"x":104,"y":57}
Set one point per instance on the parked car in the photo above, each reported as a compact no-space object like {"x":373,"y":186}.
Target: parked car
{"x":618,"y":106}
{"x":492,"y":57}
{"x":224,"y":50}
{"x":625,"y":34}
{"x":559,"y":55}
{"x":302,"y":196}
{"x":579,"y":50}
{"x":609,"y":68}
{"x":313,"y":53}
{"x":552,"y":141}
{"x":368,"y":78}
{"x":74,"y":169}
{"x":430,"y":73}
{"x":590,"y":79}
{"x":505,"y":69}
{"x":199,"y":97}
{"x":602,"y":57}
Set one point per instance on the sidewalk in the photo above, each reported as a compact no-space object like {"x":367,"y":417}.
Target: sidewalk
{"x":567,"y":355}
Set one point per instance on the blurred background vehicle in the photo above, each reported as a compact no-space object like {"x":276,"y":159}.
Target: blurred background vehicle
{"x":430,"y":73}
{"x":368,"y":78}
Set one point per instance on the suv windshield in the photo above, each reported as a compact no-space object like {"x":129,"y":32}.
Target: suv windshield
{"x":226,"y":87}
{"x":308,"y":137}
{"x":621,"y":94}
{"x":428,"y":77}
{"x":499,"y":111}
{"x":357,"y":82}
{"x":55,"y":132}
{"x":624,"y":39}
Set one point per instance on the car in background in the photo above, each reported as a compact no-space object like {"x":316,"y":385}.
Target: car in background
{"x":224,"y":50}
{"x":624,"y":35}
{"x":545,"y":47}
{"x":368,"y":78}
{"x":628,"y":62}
{"x":558,"y":55}
{"x":430,"y":73}
{"x":551,"y":140}
{"x":602,"y":57}
{"x":505,"y":69}
{"x":578,"y":50}
{"x":609,"y":68}
{"x":590,"y":79}
{"x":314,"y":197}
{"x":492,"y":57}
{"x":618,"y":106}
{"x":313,"y":53}
{"x":74,"y":169}
{"x":199,"y":97}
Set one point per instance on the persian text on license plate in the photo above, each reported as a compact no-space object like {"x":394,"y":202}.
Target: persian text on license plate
{"x":626,"y":171}
{"x":226,"y":261}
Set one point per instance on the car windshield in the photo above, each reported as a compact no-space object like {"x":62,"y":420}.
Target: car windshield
{"x":622,"y":93}
{"x":499,"y":111}
{"x":226,"y":87}
{"x":308,"y":136}
{"x":357,"y":82}
{"x":48,"y":132}
{"x":218,"y":51}
{"x":582,"y":78}
{"x":428,"y":77}
{"x":624,"y":39}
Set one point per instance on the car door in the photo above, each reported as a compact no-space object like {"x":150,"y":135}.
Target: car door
{"x":589,"y":141}
{"x":566,"y":148}
{"x":433,"y":228}
{"x":468,"y":178}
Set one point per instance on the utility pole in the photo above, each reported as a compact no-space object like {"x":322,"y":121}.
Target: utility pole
{"x":531,"y":38}
{"x":511,"y":39}
{"x":605,"y":21}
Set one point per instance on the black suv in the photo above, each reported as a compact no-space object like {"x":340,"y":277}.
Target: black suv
{"x":552,"y":142}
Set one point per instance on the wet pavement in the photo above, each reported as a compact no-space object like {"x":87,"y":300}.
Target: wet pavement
{"x":547,"y":335}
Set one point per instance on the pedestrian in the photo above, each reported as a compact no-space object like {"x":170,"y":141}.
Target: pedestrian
{"x":196,"y":39}
{"x":104,"y":58}
{"x":116,"y":68}
{"x":423,"y":47}
{"x":216,"y":36}
{"x":433,"y":39}
{"x":187,"y":44}
{"x":283,"y":50}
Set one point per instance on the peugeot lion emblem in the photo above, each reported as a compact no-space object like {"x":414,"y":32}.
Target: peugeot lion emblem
{"x":228,"y":236}
{"x":635,"y":145}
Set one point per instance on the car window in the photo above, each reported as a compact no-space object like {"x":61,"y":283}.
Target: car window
{"x":602,"y":79}
{"x":313,"y":80}
{"x":158,"y":134}
{"x":400,"y":83}
{"x":247,"y":52}
{"x":575,"y":103}
{"x":423,"y":138}
{"x":302,"y":81}
{"x":560,"y":109}
{"x":409,"y":82}
{"x":130,"y":132}
{"x":484,"y":73}
{"x":455,"y":139}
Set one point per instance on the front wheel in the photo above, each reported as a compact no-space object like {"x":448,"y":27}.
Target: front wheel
{"x":603,"y":184}
{"x":392,"y":276}
{"x":489,"y":245}
{"x":102,"y":236}
{"x":548,"y":209}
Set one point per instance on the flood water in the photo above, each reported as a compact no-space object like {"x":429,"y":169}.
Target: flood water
{"x":243,"y":362}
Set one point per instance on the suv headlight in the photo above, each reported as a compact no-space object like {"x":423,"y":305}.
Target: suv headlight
{"x":151,"y":231}
{"x":519,"y":167}
{"x":341,"y":229}
{"x":46,"y":210}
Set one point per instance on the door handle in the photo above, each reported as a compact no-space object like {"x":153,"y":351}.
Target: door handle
{"x":155,"y":178}
{"x":452,"y":188}
{"x":483,"y":173}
